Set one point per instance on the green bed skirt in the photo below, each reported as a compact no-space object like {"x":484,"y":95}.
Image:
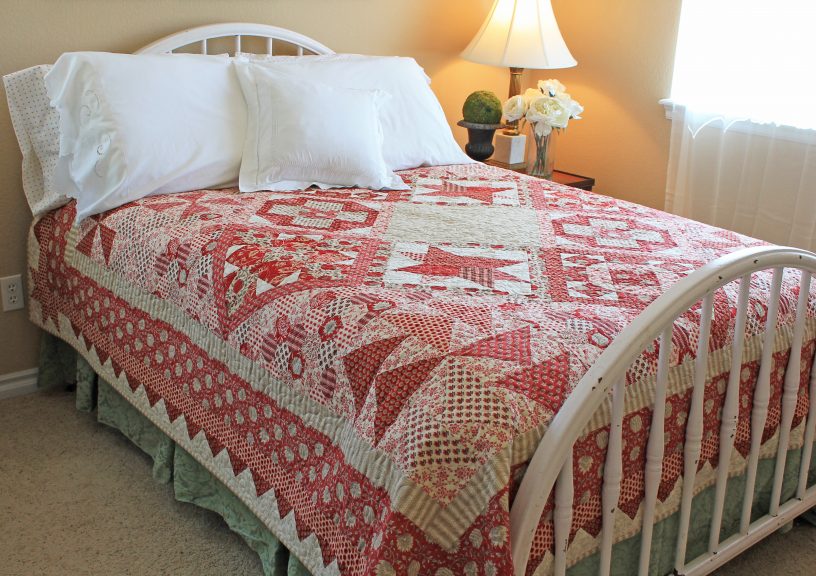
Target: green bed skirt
{"x":59,"y":363}
{"x":191,"y":481}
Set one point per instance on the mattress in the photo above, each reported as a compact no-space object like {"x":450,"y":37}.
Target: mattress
{"x":369,"y":371}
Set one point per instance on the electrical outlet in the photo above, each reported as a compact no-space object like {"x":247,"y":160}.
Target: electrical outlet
{"x":11,"y":288}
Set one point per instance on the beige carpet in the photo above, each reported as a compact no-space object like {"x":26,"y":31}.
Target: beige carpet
{"x":57,"y":517}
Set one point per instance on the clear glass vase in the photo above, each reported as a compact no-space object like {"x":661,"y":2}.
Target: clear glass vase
{"x":541,"y":156}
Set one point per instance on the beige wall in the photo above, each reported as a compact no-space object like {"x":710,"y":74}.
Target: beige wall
{"x":625,"y":53}
{"x":624,"y":49}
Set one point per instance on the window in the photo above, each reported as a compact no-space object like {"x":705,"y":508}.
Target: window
{"x":752,"y":59}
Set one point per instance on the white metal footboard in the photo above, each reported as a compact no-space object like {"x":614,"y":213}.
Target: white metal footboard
{"x":551,"y":466}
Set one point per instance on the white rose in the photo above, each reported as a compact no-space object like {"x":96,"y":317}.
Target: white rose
{"x":547,"y":113}
{"x":552,"y":87}
{"x":573,"y":106}
{"x":537,"y":110}
{"x":531,"y":94}
{"x":514,"y":108}
{"x":577,"y":110}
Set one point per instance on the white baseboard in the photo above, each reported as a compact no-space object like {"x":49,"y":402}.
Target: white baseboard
{"x":18,"y":383}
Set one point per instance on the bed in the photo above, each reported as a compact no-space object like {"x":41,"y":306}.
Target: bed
{"x":485,"y":373}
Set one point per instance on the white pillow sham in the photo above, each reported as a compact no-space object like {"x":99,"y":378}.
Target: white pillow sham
{"x":303,"y":133}
{"x":36,"y":125}
{"x":136,"y":125}
{"x":415,"y":130}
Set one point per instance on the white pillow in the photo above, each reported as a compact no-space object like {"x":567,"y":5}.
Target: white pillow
{"x":36,"y":125}
{"x":415,"y":129}
{"x":136,"y":125}
{"x":303,"y":132}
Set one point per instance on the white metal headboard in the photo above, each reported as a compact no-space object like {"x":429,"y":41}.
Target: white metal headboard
{"x":236,"y":30}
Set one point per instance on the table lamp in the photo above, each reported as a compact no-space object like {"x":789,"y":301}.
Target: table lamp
{"x":519,"y":34}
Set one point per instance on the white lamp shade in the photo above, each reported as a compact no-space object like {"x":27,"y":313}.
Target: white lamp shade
{"x":520,"y":34}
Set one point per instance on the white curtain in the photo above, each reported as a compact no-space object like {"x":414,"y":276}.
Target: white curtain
{"x":756,"y":179}
{"x":744,"y":119}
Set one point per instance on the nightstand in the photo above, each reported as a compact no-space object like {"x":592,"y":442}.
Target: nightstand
{"x":567,"y":178}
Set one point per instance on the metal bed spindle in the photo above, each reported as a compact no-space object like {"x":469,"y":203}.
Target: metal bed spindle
{"x":810,"y":429}
{"x":694,"y":429}
{"x":655,"y":449}
{"x":730,"y":414}
{"x":613,"y":473}
{"x":762,"y":395}
{"x":562,"y":515}
{"x":790,"y":394}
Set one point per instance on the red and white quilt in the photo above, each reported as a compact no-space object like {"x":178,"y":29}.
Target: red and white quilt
{"x":370,"y":370}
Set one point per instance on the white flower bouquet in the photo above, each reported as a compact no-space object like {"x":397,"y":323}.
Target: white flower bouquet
{"x":545,"y":108}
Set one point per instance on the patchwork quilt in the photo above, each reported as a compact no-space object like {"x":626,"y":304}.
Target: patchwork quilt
{"x":369,"y":371}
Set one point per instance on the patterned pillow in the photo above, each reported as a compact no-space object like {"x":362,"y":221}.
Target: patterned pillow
{"x":36,"y":125}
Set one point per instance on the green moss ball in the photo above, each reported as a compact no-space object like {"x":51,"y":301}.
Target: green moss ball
{"x":482,"y":107}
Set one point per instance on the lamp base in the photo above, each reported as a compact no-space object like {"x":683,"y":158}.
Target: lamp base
{"x":510,"y":148}
{"x":515,"y":90}
{"x":520,"y":167}
{"x":515,"y":81}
